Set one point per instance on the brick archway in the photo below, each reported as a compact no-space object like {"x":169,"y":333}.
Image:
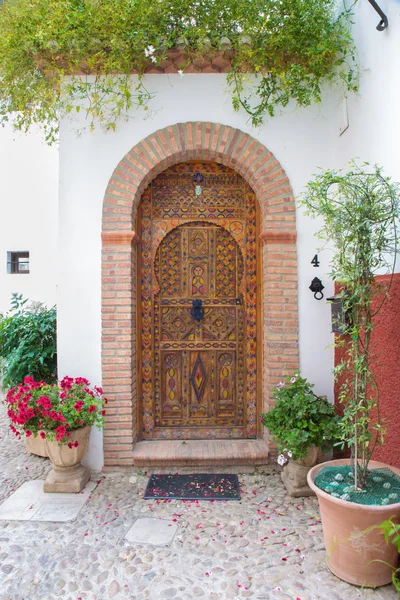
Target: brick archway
{"x":160,"y":150}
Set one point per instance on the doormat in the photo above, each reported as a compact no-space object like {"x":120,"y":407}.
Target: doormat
{"x":199,"y":486}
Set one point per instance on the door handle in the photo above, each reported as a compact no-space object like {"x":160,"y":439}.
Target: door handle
{"x":197,"y":310}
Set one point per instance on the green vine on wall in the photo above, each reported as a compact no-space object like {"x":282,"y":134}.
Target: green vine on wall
{"x":59,"y":56}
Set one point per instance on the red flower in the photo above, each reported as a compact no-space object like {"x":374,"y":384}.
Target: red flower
{"x":103,"y":412}
{"x":81,"y":381}
{"x":92,"y":408}
{"x":79,"y":405}
{"x":29,"y":380}
{"x":73,"y":444}
{"x":99,"y":390}
{"x":42,"y":435}
{"x":66,"y":383}
{"x":28,"y":433}
{"x":60,"y":433}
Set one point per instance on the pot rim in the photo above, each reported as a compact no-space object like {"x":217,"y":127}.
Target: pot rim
{"x":345,"y":503}
{"x":70,"y":431}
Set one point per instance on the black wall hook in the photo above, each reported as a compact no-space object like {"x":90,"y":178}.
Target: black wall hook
{"x":384,"y":22}
{"x":317,"y":287}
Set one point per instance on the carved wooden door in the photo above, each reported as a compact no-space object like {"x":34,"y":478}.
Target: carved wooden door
{"x":199,"y":265}
{"x":198,"y":335}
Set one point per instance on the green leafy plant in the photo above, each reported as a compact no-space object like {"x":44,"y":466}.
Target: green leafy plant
{"x":391,"y":531}
{"x":28,"y":342}
{"x":60,"y":56}
{"x":359,"y":208}
{"x":300,"y":419}
{"x":53,"y":411}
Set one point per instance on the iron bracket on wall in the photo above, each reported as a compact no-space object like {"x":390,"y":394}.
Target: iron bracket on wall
{"x":383,"y":23}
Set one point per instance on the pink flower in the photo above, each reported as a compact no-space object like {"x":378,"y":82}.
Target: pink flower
{"x":99,"y":390}
{"x":28,"y":433}
{"x":92,"y":408}
{"x":103,"y":412}
{"x":42,"y":435}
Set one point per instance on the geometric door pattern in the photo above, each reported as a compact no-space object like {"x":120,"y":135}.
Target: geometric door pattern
{"x":198,"y":375}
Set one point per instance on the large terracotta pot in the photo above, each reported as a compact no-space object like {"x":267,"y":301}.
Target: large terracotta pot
{"x":68,"y":475}
{"x":353,"y":552}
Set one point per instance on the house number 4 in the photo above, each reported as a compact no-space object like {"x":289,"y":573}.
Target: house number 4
{"x":315,"y":261}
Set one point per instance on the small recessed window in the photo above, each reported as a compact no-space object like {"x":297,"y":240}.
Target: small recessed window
{"x":18,"y":262}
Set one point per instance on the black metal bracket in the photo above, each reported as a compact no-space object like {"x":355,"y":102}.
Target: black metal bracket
{"x":383,"y":23}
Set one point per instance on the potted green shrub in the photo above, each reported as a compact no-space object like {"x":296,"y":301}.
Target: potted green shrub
{"x":62,"y":415}
{"x":359,"y":209}
{"x":303,"y":424}
{"x":28,"y":347}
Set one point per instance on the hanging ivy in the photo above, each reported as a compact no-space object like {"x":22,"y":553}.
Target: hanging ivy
{"x":58,"y":56}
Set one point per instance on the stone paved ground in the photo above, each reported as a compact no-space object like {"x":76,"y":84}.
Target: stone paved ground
{"x":266,"y":547}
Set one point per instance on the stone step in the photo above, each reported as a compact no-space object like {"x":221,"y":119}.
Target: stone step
{"x":200,"y":453}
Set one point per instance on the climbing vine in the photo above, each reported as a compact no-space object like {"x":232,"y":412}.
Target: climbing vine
{"x":359,"y":209}
{"x":59,"y":56}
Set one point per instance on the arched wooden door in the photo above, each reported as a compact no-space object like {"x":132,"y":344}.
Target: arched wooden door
{"x":198,"y":368}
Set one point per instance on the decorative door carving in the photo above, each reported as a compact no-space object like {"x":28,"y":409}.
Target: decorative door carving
{"x":197,"y":377}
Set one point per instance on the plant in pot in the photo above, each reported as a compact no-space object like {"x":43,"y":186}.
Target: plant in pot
{"x":359,"y":210}
{"x":303,"y":424}
{"x":62,"y":415}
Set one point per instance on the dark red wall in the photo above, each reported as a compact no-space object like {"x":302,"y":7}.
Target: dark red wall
{"x":386,"y":368}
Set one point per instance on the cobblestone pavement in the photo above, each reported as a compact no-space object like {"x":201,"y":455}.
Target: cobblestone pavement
{"x":266,"y":547}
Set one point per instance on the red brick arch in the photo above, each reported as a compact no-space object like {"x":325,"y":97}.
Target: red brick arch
{"x":160,"y":150}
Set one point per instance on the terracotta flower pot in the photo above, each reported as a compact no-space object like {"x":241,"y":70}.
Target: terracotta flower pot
{"x":355,"y":554}
{"x":68,"y":475}
{"x":294,"y":474}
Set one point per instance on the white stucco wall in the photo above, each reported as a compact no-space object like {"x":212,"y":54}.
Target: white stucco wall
{"x":374,"y":117}
{"x":301,"y":139}
{"x":28,"y":215}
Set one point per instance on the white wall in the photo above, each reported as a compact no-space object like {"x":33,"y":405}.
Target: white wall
{"x":28,"y":215}
{"x":300,"y":139}
{"x":374,"y":115}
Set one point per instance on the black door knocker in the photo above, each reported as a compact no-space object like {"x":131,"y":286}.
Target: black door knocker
{"x":317,"y":287}
{"x":197,"y":310}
